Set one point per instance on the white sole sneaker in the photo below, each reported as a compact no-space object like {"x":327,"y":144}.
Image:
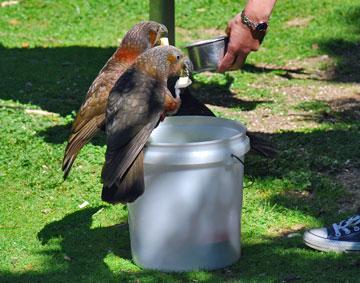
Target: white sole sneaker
{"x":318,"y":240}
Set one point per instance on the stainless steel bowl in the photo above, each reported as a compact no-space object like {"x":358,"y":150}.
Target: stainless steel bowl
{"x":206,"y":54}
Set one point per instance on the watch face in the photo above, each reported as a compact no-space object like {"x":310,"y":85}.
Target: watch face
{"x":261,"y":27}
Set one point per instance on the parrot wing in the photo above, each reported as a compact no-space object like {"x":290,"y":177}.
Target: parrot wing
{"x":134,"y":109}
{"x":91,"y":116}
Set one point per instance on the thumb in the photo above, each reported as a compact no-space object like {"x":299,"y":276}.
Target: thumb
{"x":226,"y":62}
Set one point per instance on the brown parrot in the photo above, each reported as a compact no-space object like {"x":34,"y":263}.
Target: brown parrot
{"x":91,"y":116}
{"x":139,"y":100}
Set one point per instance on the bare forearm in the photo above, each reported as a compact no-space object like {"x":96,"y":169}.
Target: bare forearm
{"x":259,"y":10}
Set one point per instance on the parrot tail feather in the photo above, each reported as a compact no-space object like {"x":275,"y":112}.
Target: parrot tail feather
{"x":129,"y":187}
{"x":75,"y":144}
{"x":261,"y":145}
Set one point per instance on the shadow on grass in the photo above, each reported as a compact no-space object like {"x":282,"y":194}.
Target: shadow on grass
{"x":86,"y":248}
{"x":55,"y":79}
{"x":311,"y":161}
{"x":60,"y":133}
{"x":347,"y":53}
{"x":216,"y":94}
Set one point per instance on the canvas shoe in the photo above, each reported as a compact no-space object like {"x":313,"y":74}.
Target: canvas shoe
{"x":340,"y":237}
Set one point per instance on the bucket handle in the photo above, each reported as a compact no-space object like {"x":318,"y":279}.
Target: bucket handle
{"x":238,"y":159}
{"x":242,"y":162}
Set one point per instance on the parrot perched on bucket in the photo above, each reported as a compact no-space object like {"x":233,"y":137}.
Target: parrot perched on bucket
{"x":139,"y":100}
{"x":91,"y":116}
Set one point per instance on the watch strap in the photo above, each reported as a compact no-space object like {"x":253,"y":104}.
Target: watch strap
{"x":256,"y":27}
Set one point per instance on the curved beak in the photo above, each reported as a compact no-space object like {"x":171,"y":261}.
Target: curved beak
{"x":187,"y":67}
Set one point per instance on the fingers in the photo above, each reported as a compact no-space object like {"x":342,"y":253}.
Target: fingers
{"x":232,"y":62}
{"x":240,"y":60}
{"x":242,"y":41}
{"x":226,"y":62}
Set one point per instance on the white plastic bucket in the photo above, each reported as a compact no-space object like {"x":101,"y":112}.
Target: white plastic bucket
{"x":189,"y":216}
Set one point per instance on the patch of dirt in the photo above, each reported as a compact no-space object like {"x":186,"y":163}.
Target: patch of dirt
{"x":349,"y":178}
{"x":197,"y":35}
{"x":13,"y":22}
{"x":318,"y":68}
{"x":299,"y":194}
{"x":292,"y":231}
{"x":299,"y":22}
{"x":8,"y":3}
{"x":212,"y":32}
{"x":340,"y":97}
{"x":263,"y":120}
{"x":347,"y":106}
{"x":185,"y":34}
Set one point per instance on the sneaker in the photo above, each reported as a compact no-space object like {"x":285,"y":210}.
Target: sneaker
{"x":340,"y":237}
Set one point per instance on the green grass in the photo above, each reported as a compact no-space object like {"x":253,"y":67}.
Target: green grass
{"x":313,"y":106}
{"x":50,"y":51}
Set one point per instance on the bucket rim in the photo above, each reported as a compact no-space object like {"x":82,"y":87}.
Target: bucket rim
{"x":240,"y":136}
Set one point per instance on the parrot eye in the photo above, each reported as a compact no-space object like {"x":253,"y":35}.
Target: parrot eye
{"x":178,"y":57}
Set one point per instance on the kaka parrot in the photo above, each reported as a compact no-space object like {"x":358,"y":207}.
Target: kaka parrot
{"x":139,"y":100}
{"x":91,"y":116}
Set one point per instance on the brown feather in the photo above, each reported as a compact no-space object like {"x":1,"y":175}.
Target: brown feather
{"x":91,"y":116}
{"x":77,"y":141}
{"x":135,"y":106}
{"x":118,"y":162}
{"x":128,"y":188}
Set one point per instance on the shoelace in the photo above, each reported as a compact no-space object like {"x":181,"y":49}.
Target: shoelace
{"x":344,"y":224}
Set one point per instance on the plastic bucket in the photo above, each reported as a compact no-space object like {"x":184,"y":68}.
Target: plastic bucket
{"x":189,"y":216}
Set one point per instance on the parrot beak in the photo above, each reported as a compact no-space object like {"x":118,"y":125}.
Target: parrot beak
{"x":187,"y":67}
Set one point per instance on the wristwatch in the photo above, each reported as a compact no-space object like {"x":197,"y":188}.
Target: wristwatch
{"x":260,"y":27}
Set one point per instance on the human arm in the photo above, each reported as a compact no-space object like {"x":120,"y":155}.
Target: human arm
{"x":242,"y":40}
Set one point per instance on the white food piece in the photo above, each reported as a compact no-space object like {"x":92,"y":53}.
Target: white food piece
{"x":182,"y":82}
{"x":84,"y":204}
{"x":164,"y":41}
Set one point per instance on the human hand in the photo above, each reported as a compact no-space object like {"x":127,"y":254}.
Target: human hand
{"x":241,"y":42}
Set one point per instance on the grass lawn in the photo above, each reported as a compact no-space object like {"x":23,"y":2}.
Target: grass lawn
{"x":301,"y":90}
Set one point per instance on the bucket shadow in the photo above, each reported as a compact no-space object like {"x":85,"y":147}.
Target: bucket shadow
{"x":289,"y":260}
{"x":84,"y":247}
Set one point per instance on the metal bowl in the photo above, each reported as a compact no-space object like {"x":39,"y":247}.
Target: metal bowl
{"x":206,"y":54}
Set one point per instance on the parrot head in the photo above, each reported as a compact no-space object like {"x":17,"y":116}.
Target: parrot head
{"x":143,"y":36}
{"x":155,"y":32}
{"x":162,"y":62}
